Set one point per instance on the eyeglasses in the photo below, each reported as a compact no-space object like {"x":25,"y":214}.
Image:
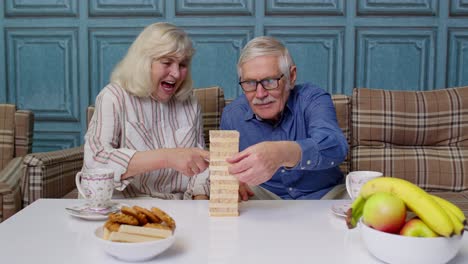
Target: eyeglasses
{"x":267,"y":84}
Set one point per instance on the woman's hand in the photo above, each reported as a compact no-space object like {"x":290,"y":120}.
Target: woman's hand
{"x":244,"y":192}
{"x":188,"y":161}
{"x":200,"y":197}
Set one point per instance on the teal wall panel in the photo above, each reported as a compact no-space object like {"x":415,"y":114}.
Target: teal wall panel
{"x":57,"y":55}
{"x":107,"y":47}
{"x":48,"y":8}
{"x":313,"y":7}
{"x":458,"y":57}
{"x":217,"y":51}
{"x":459,"y":7}
{"x":406,"y":56}
{"x":317,"y":52}
{"x":398,"y":8}
{"x":217,"y":7}
{"x":42,"y":72}
{"x":124,"y":8}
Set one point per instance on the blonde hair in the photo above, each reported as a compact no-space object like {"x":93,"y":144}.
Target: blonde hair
{"x":267,"y":46}
{"x":158,"y":40}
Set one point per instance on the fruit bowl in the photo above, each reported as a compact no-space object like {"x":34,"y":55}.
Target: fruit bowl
{"x":133,"y":251}
{"x":392,"y":248}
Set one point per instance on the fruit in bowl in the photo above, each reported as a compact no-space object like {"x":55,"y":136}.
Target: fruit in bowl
{"x":440,"y":215}
{"x":417,"y":228}
{"x":385,"y":212}
{"x":395,"y":248}
{"x":434,"y":235}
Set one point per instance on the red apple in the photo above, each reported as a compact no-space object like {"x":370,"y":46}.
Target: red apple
{"x":384,"y":212}
{"x":417,"y":228}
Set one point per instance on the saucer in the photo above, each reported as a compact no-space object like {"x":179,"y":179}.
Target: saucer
{"x":85,"y":212}
{"x":341,"y":208}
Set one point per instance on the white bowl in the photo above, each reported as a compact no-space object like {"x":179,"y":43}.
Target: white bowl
{"x":392,"y":248}
{"x":133,"y":251}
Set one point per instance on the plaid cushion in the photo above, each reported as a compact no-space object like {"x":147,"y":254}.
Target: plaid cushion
{"x":50,"y":174}
{"x":343,"y":112}
{"x":7,"y":132}
{"x":427,"y":118}
{"x":421,"y":136}
{"x":24,"y":124}
{"x":212,"y":104}
{"x":10,"y":191}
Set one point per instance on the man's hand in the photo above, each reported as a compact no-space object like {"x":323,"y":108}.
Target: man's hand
{"x":257,"y":163}
{"x":244,"y":191}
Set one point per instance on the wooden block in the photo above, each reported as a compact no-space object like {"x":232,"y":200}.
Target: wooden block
{"x":224,"y":188}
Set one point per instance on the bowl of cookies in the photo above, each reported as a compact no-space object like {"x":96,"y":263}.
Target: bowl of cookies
{"x":136,"y":233}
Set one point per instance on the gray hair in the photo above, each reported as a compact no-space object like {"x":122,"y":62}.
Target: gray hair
{"x":267,"y":46}
{"x":158,"y":40}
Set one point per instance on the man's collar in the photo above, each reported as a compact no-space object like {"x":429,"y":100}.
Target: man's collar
{"x":249,"y":114}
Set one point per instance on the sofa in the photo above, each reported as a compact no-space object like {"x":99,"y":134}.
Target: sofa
{"x":16,"y":132}
{"x":420,"y":136}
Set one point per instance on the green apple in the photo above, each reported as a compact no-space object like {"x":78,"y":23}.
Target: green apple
{"x":417,"y":228}
{"x":384,"y":212}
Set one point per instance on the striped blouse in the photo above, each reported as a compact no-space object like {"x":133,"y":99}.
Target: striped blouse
{"x":123,"y":124}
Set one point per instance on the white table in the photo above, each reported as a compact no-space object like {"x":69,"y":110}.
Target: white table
{"x":265,"y":232}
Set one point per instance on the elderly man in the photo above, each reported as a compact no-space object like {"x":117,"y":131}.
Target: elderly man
{"x":290,"y":141}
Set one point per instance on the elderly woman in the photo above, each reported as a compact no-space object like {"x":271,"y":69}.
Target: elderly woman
{"x":147,"y":124}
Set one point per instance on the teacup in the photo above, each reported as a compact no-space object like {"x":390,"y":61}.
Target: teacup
{"x":96,"y":186}
{"x":356,"y":179}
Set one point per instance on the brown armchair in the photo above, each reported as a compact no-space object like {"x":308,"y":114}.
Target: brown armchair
{"x":52,"y":174}
{"x":16,"y":132}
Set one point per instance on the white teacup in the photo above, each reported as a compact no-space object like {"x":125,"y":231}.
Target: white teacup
{"x":96,"y":186}
{"x":356,"y":179}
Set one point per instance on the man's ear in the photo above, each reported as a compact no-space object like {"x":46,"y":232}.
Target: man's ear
{"x":292,"y":76}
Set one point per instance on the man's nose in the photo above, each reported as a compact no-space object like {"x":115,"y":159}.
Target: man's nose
{"x":261,"y":92}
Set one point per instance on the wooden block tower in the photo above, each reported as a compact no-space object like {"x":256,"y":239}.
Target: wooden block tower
{"x":224,"y":188}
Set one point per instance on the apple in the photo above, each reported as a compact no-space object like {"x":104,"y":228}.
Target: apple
{"x":417,"y":228}
{"x":384,"y":212}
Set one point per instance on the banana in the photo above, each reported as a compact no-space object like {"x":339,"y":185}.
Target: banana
{"x":458,"y":220}
{"x":415,"y":198}
{"x":355,"y":212}
{"x":449,"y":206}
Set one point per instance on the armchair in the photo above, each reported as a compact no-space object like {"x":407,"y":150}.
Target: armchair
{"x":16,"y":132}
{"x":52,"y":174}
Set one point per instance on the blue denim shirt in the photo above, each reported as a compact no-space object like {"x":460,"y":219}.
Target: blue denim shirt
{"x":309,"y":119}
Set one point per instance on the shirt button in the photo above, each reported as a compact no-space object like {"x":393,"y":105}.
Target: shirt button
{"x":308,"y":162}
{"x":290,"y":189}
{"x":282,"y":171}
{"x":332,"y":163}
{"x":302,"y":168}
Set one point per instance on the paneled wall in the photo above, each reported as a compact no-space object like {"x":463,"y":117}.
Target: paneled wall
{"x":57,"y":54}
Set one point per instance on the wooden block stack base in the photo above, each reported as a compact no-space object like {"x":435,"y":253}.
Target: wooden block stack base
{"x":224,"y":188}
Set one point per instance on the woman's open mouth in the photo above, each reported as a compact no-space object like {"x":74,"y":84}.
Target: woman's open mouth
{"x":168,"y":87}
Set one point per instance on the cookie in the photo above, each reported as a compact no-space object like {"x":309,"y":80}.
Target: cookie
{"x":123,"y":219}
{"x":131,"y":211}
{"x":152,"y":218}
{"x":112,"y":226}
{"x":164,"y":217}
